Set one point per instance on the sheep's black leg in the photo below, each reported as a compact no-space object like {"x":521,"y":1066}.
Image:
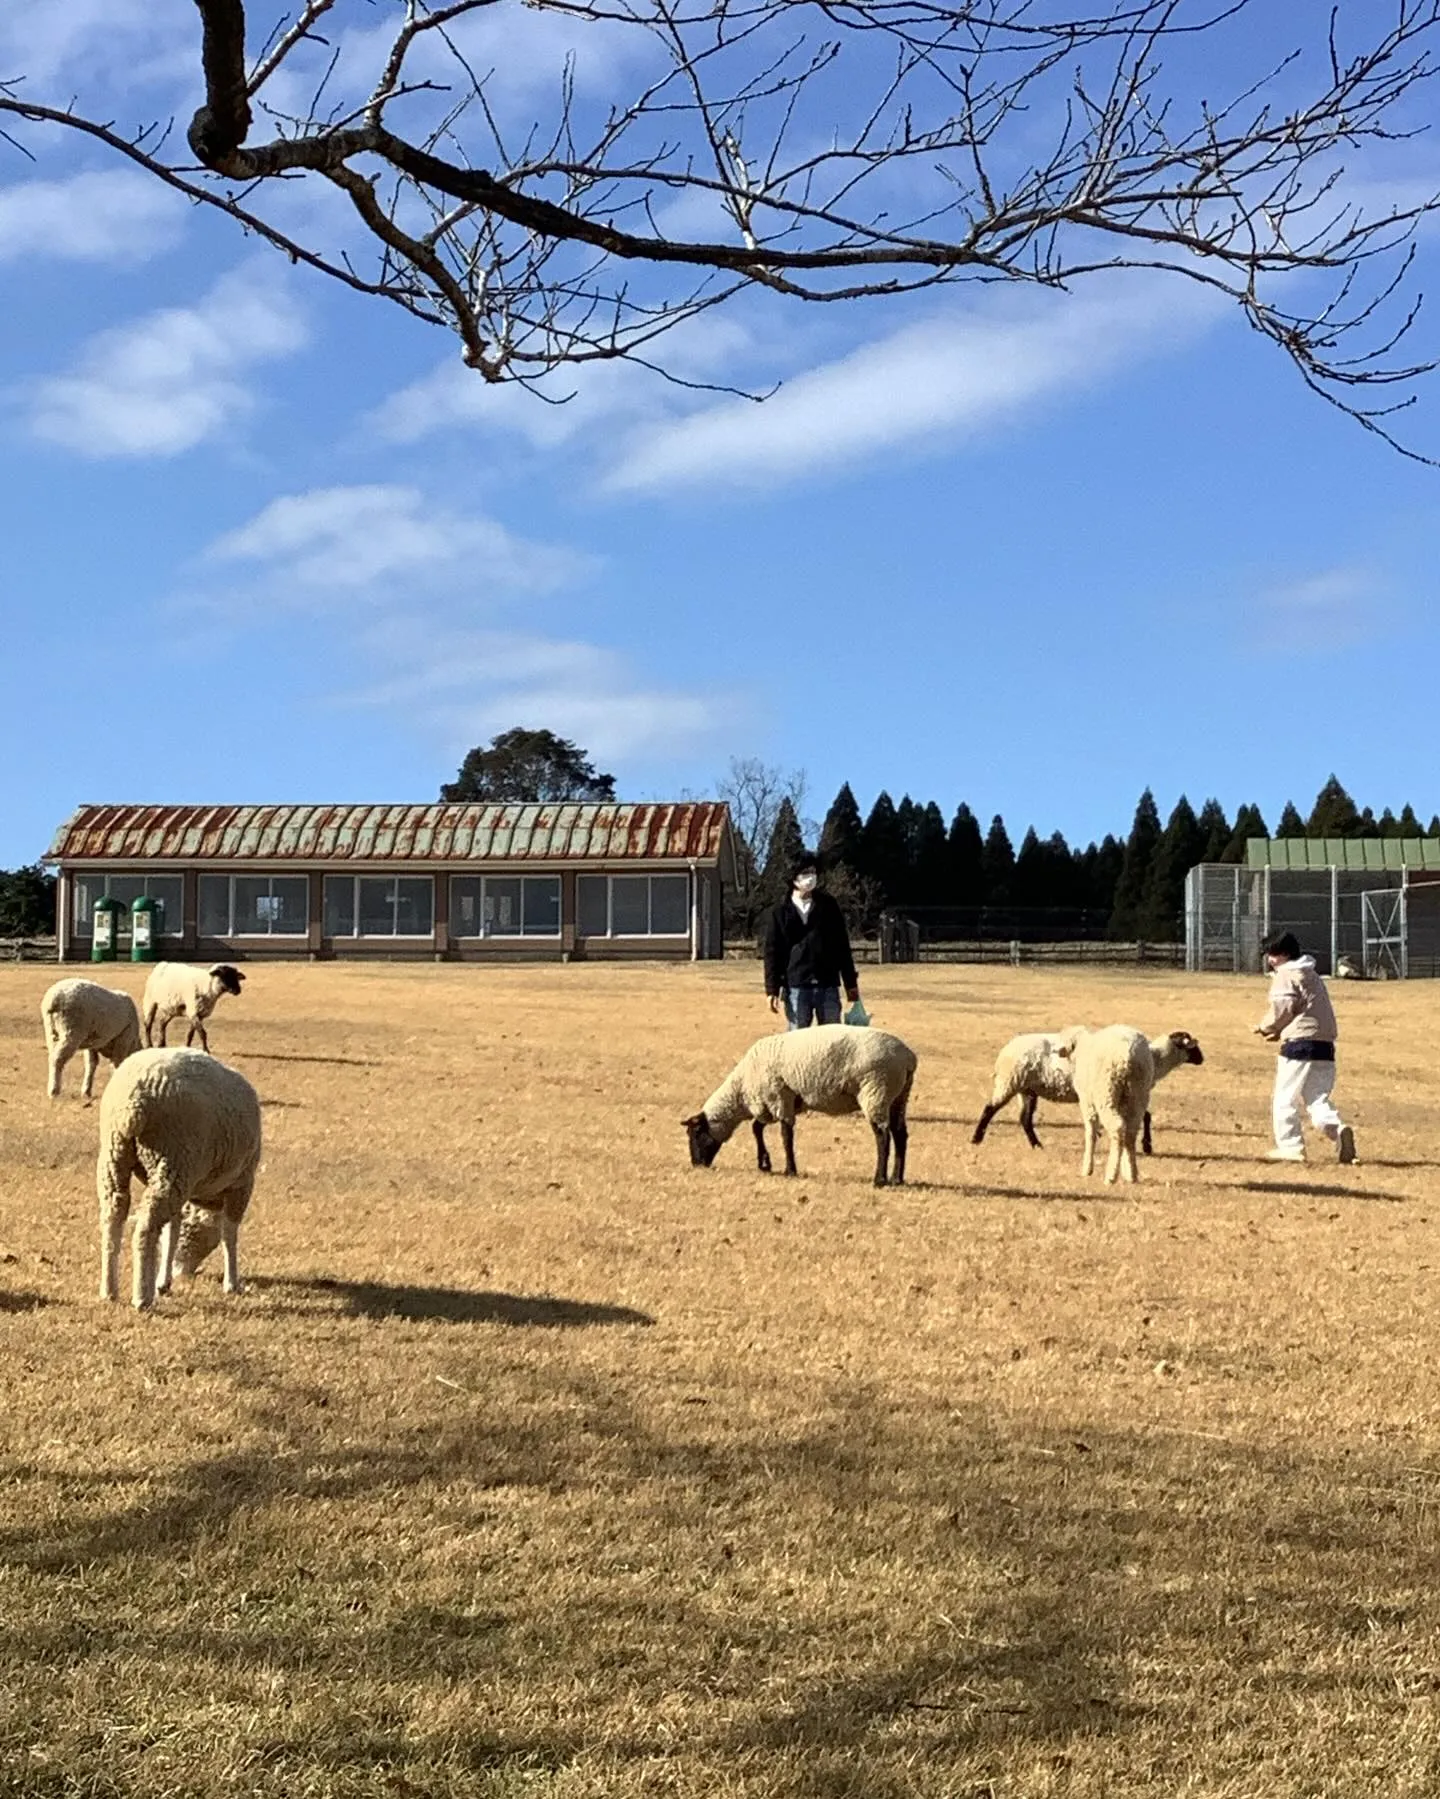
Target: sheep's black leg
{"x":787,"y":1137}
{"x":882,"y":1154}
{"x":900,"y":1133}
{"x":762,"y":1155}
{"x":1027,"y":1118}
{"x":984,"y":1124}
{"x":1145,"y":1136}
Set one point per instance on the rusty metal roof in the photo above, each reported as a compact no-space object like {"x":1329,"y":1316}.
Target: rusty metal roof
{"x":446,"y":832}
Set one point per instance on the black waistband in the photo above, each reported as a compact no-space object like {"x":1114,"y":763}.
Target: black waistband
{"x":1308,"y":1049}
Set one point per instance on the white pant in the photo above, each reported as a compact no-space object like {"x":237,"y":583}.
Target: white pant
{"x":1302,"y":1087}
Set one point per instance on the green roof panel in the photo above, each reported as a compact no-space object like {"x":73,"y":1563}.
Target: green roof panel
{"x":1365,"y":854}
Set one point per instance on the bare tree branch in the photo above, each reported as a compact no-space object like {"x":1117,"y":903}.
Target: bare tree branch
{"x":838,"y":148}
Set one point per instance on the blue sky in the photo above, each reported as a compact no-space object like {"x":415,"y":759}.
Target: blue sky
{"x":267,"y":540}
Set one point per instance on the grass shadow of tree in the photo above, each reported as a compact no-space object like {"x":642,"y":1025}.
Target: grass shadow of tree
{"x":453,"y":1305}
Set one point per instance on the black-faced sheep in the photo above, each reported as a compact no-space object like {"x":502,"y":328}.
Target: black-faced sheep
{"x":175,"y":989}
{"x":1030,"y":1066}
{"x":833,"y":1068}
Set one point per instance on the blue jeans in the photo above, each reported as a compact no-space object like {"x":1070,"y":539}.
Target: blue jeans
{"x":812,"y":1005}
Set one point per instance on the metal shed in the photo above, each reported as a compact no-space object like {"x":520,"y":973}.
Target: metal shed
{"x":1374,"y":901}
{"x":450,"y":880}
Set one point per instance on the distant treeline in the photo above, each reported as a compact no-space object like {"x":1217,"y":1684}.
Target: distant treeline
{"x":27,"y":902}
{"x":906,"y":856}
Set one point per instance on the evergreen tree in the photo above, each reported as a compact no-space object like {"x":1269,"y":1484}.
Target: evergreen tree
{"x":931,"y":879}
{"x":840,"y":835}
{"x":1028,"y":883}
{"x":907,"y":830}
{"x":1100,"y":867}
{"x":1433,"y":828}
{"x":1389,"y":825}
{"x":1215,"y":831}
{"x":1409,"y":825}
{"x":1365,"y":825}
{"x":1067,"y":885}
{"x":882,"y":849}
{"x":528,"y":765}
{"x":1179,"y":849}
{"x":1334,"y":813}
{"x":1125,"y":916}
{"x":1291,"y":824}
{"x":966,"y":856}
{"x":997,"y":863}
{"x":785,"y":849}
{"x":1248,"y":823}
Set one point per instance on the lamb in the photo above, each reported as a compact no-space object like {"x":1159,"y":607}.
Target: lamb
{"x":175,"y":988}
{"x":831,"y":1068}
{"x":81,"y":1015}
{"x":1029,"y":1065}
{"x":190,"y":1128}
{"x":1114,"y":1072}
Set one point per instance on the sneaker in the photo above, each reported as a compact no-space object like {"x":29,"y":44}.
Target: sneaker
{"x":1345,"y":1150}
{"x":1286,"y":1155}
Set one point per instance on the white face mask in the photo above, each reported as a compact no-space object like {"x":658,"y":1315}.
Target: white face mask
{"x":806,"y":884}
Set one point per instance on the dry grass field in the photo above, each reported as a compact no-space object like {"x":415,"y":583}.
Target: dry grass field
{"x":534,"y":1461}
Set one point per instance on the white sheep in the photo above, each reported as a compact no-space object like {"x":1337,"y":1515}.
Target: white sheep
{"x":175,"y":988}
{"x":81,"y":1015}
{"x":832,"y":1068}
{"x":1029,"y":1065}
{"x":190,"y":1128}
{"x":1114,"y":1072}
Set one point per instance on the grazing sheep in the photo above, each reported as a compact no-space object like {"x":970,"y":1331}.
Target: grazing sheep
{"x":1029,"y":1065}
{"x":832,"y":1068}
{"x":175,"y":988}
{"x":1114,"y":1072}
{"x":1348,"y":969}
{"x":81,"y":1015}
{"x":190,"y":1128}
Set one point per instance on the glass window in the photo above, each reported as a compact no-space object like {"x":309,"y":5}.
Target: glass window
{"x":414,"y":906}
{"x":214,"y":905}
{"x":592,"y":906}
{"x":339,"y":905}
{"x":251,"y":905}
{"x":465,"y":905}
{"x":168,"y":890}
{"x":669,"y":905}
{"x":541,"y":906}
{"x":501,"y":915}
{"x":630,"y":906}
{"x":290,"y":903}
{"x":376,"y":907}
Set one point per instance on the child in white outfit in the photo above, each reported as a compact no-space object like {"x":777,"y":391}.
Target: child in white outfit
{"x":1301,"y":1017}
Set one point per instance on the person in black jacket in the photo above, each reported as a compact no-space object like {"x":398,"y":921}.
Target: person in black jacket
{"x":807,"y":952}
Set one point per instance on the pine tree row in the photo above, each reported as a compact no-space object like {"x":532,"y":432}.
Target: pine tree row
{"x":906,"y":856}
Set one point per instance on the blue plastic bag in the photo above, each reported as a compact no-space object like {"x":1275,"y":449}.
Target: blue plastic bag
{"x":856,"y":1014}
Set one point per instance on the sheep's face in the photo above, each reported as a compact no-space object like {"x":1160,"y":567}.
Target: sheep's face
{"x":199,"y":1235}
{"x":228,"y":977}
{"x":1185,"y":1042}
{"x":704,"y":1144}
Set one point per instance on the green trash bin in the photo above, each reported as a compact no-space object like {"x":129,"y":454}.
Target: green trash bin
{"x":105,"y":930}
{"x":147,"y":920}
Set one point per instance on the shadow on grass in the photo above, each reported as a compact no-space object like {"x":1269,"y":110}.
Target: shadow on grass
{"x":1323,"y":1190}
{"x":454,"y":1305}
{"x":23,"y":1302}
{"x":276,"y":1055}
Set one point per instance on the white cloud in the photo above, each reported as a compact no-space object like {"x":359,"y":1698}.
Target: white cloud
{"x":166,"y":382}
{"x":336,"y":544}
{"x":125,"y":42}
{"x":115,"y":215}
{"x":467,"y":685}
{"x":1335,"y":609}
{"x":946,"y":377}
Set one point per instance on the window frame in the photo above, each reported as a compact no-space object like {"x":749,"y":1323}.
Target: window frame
{"x":230,"y":876}
{"x":84,"y":876}
{"x":609,"y":877}
{"x":481,"y":934}
{"x":355,"y":934}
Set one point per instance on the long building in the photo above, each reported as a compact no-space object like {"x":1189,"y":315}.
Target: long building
{"x":451,"y":881}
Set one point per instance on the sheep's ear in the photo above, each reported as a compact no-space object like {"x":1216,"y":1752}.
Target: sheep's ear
{"x":690,"y":1123}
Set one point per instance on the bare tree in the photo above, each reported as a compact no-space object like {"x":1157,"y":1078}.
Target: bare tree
{"x":755,"y":791}
{"x":817,"y":149}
